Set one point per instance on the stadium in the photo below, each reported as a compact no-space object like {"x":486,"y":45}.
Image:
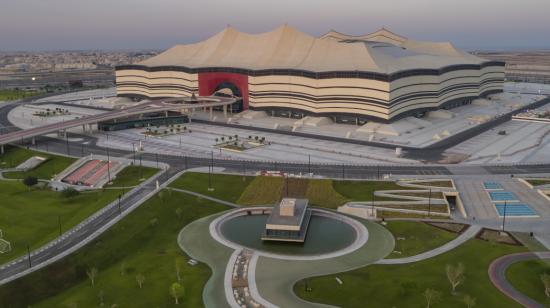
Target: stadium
{"x":378,"y":77}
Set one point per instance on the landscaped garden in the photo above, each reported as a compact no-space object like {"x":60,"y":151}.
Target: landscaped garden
{"x":412,"y":238}
{"x":410,"y":285}
{"x":32,"y":216}
{"x":142,"y":248}
{"x":11,"y":95}
{"x":527,"y":277}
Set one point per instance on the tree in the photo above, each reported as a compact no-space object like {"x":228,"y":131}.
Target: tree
{"x":92,"y":274}
{"x":545,"y":278}
{"x":69,"y":192}
{"x":178,"y":269}
{"x":140,"y":279}
{"x":101,"y":297}
{"x":455,"y":275}
{"x":177,"y":291}
{"x":30,"y":181}
{"x":179,"y":212}
{"x":122,"y":268}
{"x":469,"y":301}
{"x":432,"y":296}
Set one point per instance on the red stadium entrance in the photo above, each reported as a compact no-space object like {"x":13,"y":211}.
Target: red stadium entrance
{"x":211,"y":82}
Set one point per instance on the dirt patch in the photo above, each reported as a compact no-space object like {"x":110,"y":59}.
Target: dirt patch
{"x":451,"y":227}
{"x":498,"y":236}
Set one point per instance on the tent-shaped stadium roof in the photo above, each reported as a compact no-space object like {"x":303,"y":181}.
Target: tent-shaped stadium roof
{"x":287,"y":48}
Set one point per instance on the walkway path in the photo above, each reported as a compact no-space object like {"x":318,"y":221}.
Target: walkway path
{"x":461,"y":239}
{"x":497,"y":274}
{"x":231,"y":204}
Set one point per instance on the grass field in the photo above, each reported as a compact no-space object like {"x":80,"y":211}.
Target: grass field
{"x":263,"y":190}
{"x":403,"y":285}
{"x":133,"y":244}
{"x":412,"y":238}
{"x":525,"y":277}
{"x":268,"y":190}
{"x":364,"y":190}
{"x":226,"y":187}
{"x":538,"y":182}
{"x":33,"y":217}
{"x":10,"y":95}
{"x":322,"y":193}
{"x":48,"y":169}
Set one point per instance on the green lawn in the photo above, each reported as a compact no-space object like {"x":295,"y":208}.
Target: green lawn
{"x":263,"y":190}
{"x":525,"y":277}
{"x":537,"y":182}
{"x":403,"y":285}
{"x":32,"y":217}
{"x":48,"y":169}
{"x":363,"y":190}
{"x":226,"y":187}
{"x":10,"y":95}
{"x":13,"y":156}
{"x":412,"y":238}
{"x":142,"y":247}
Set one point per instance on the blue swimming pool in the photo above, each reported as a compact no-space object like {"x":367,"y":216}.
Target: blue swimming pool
{"x":500,"y":196}
{"x":515,"y":209}
{"x":492,"y":186}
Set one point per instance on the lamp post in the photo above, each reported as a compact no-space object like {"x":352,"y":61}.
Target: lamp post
{"x":210,"y":170}
{"x":119,"y":209}
{"x":309,"y":163}
{"x":29,"y":255}
{"x":108,"y":165}
{"x":373,"y":197}
{"x":504,"y":217}
{"x":59,"y":223}
{"x":134,"y":152}
{"x":429,"y":203}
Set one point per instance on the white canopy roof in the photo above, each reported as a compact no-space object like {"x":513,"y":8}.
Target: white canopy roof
{"x":287,"y":48}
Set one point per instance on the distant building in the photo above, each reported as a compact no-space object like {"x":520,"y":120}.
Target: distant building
{"x":380,"y":76}
{"x":288,"y":221}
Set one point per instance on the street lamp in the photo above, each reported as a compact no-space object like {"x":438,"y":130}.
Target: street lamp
{"x":504,"y":217}
{"x":210,"y":170}
{"x":430,"y":203}
{"x":119,"y":209}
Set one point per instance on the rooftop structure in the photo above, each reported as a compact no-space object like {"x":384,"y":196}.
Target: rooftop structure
{"x":380,"y":76}
{"x":288,"y":221}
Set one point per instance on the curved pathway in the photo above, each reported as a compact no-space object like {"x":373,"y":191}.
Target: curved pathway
{"x":461,"y":239}
{"x":497,"y":274}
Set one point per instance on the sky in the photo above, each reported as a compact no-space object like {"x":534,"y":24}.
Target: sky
{"x":32,"y":25}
